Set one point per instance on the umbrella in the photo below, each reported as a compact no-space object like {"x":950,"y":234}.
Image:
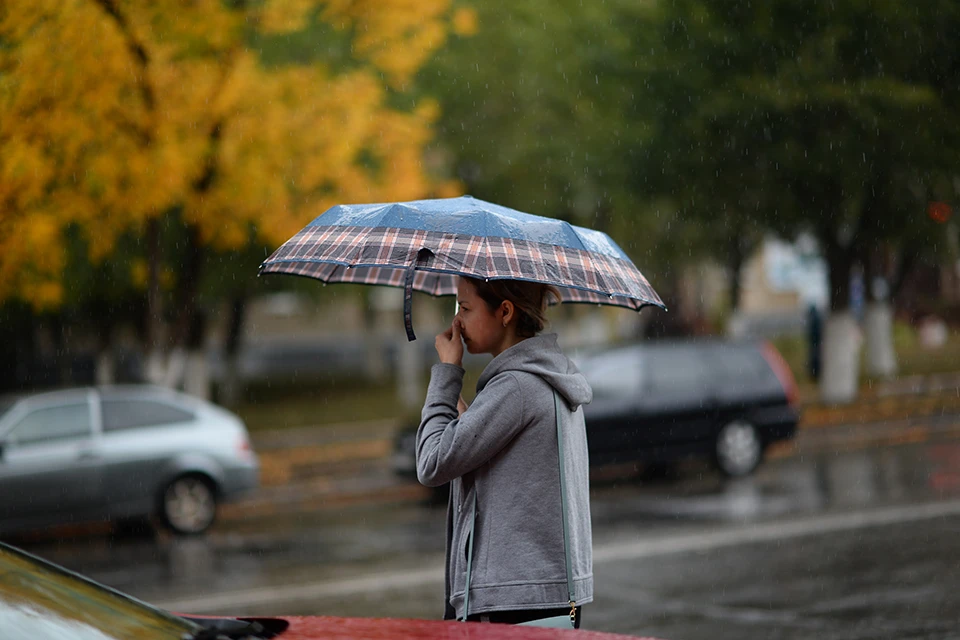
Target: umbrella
{"x":426,"y":244}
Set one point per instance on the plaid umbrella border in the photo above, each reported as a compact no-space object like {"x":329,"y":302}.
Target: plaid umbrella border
{"x":381,"y":256}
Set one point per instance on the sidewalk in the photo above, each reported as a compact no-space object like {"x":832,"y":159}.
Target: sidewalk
{"x":314,"y":468}
{"x":900,"y":399}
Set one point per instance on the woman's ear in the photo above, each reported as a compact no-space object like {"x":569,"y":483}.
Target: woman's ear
{"x":506,"y":312}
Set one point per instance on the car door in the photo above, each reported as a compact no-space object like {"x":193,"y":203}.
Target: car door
{"x":678,"y":402}
{"x":50,"y":467}
{"x":615,"y":431}
{"x":140,"y":435}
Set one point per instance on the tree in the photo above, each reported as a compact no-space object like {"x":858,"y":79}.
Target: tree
{"x":835,"y":119}
{"x":524,"y":117}
{"x":125,"y":117}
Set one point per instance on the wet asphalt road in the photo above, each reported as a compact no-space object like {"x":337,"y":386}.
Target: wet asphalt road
{"x":860,"y":544}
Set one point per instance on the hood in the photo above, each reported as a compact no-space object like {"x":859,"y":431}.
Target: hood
{"x":541,"y":355}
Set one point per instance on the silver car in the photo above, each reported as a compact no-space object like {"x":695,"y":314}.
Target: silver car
{"x":116,"y":453}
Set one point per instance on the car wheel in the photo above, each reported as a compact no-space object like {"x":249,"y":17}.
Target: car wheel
{"x":188,"y":505}
{"x":738,"y":449}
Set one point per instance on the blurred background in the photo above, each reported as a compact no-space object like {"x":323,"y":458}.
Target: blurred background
{"x":778,"y":170}
{"x":768,"y":169}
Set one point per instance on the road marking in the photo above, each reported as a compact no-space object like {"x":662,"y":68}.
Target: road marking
{"x":773,"y":531}
{"x":261,"y":597}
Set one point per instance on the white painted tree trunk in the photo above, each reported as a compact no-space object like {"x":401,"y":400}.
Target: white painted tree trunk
{"x":881,"y":356}
{"x":155,"y":370}
{"x":105,"y":371}
{"x":840,"y":358}
{"x":176,"y":368}
{"x":410,"y":386}
{"x":196,"y":377}
{"x":231,"y":385}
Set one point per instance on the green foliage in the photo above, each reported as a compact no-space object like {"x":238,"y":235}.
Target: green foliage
{"x":525,"y":112}
{"x":839,"y":118}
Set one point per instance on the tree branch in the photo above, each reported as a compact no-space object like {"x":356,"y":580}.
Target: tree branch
{"x":137,"y":51}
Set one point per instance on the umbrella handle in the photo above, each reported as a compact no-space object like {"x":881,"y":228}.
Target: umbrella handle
{"x":423,"y":255}
{"x":408,"y":303}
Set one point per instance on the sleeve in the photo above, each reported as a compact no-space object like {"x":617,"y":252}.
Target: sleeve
{"x":448,"y":446}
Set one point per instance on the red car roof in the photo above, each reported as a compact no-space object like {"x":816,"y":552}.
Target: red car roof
{"x":313,"y":628}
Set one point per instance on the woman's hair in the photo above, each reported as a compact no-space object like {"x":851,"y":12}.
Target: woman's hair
{"x":530,"y":300}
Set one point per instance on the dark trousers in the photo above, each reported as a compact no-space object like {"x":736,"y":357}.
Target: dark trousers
{"x":523,"y":615}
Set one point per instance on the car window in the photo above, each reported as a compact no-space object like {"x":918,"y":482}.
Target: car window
{"x":614,"y":373}
{"x":128,"y":414}
{"x":737,"y":363}
{"x":675,"y":369}
{"x":52,"y":423}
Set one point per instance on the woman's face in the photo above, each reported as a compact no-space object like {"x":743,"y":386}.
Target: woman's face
{"x":481,"y":328}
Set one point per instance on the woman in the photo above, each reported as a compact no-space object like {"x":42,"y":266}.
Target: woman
{"x":503,"y":450}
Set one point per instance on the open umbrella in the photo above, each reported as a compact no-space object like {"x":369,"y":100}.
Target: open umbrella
{"x":426,"y":244}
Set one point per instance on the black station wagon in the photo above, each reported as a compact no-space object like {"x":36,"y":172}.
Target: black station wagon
{"x":659,"y":402}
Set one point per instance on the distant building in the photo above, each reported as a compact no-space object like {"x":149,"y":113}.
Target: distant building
{"x":778,"y":285}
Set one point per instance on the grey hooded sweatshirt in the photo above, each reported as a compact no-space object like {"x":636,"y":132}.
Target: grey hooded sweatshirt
{"x":504,"y":449}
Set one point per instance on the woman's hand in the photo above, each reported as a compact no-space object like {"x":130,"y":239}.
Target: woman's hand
{"x":449,"y":345}
{"x":461,"y":405}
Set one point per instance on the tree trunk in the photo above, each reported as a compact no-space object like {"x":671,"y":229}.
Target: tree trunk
{"x":231,"y":388}
{"x":196,"y":369}
{"x":375,"y":311}
{"x":59,"y":334}
{"x":878,"y":319}
{"x":881,"y":356}
{"x":841,"y":358}
{"x":155,"y":370}
{"x":410,"y":386}
{"x":196,"y":379}
{"x":105,"y":373}
{"x":190,"y":370}
{"x":735,"y":265}
{"x":840,"y":350}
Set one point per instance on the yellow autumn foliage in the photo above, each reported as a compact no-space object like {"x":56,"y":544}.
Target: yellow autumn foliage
{"x":114,"y":112}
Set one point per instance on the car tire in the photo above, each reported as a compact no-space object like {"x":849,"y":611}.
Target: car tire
{"x":738,"y":449}
{"x":188,"y":505}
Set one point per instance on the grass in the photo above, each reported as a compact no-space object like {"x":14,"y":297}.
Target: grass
{"x":328,"y":401}
{"x":331,"y":401}
{"x":912,"y":358}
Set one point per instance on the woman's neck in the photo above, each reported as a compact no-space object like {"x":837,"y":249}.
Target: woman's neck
{"x":509,"y":341}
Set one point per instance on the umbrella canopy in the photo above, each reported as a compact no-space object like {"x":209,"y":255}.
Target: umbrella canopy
{"x":426,"y":244}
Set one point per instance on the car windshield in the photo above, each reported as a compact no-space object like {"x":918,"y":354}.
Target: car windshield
{"x":40,"y":600}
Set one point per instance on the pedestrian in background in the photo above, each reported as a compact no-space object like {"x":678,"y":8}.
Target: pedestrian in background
{"x":500,"y":455}
{"x":814,"y":338}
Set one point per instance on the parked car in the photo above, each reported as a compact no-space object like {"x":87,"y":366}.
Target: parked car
{"x":40,"y":600}
{"x":119,"y":453}
{"x":660,"y":402}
